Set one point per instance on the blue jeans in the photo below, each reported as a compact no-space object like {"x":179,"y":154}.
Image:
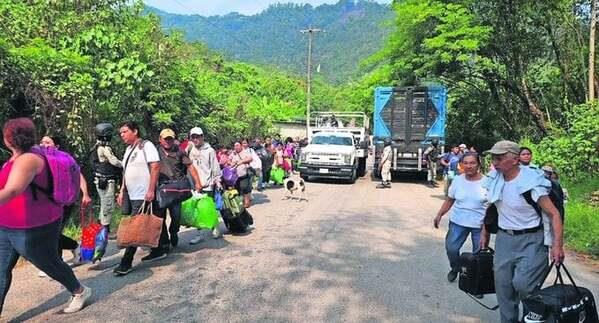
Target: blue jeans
{"x":38,"y":246}
{"x":454,"y":240}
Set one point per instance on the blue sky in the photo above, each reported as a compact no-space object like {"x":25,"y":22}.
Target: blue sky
{"x":222,"y":7}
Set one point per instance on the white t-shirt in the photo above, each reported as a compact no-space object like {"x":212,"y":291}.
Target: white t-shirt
{"x":514,"y":212}
{"x":137,"y":172}
{"x":470,"y":204}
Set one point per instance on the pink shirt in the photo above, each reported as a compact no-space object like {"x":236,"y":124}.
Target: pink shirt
{"x":25,"y":212}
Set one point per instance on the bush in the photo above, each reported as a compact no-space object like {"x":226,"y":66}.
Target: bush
{"x":574,"y":151}
{"x":581,"y":229}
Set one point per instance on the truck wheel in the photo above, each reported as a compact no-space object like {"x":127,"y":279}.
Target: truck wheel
{"x":361,"y":167}
{"x":353,"y":177}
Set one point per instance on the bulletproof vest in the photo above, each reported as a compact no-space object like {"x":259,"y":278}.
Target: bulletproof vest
{"x":104,"y":169}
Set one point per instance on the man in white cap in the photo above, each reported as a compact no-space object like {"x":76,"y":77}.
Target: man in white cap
{"x":463,"y":149}
{"x":203,"y":158}
{"x":520,"y":252}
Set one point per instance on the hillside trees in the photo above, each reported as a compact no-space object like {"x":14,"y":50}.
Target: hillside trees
{"x":71,"y":64}
{"x":513,"y":68}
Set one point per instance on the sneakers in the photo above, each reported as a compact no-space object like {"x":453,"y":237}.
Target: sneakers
{"x":76,"y":260}
{"x":452,"y":275}
{"x":78,"y":301}
{"x":199,"y":238}
{"x":216,"y":233}
{"x":122,"y":270}
{"x":41,"y":274}
{"x":154,"y":255}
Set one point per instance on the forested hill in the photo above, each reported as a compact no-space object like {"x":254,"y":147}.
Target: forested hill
{"x":353,"y":31}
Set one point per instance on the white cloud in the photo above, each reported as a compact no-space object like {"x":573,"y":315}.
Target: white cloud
{"x":222,"y":7}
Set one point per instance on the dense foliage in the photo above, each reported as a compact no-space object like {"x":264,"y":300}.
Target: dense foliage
{"x":353,"y":31}
{"x":71,"y":64}
{"x":514,"y":68}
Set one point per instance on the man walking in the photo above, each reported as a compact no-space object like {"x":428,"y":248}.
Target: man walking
{"x":203,"y":159}
{"x":431,"y":155}
{"x":141,"y":169}
{"x":385,"y":165}
{"x":520,"y":253}
{"x":173,"y":167}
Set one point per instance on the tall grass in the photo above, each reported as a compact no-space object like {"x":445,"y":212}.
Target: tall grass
{"x":581,"y":228}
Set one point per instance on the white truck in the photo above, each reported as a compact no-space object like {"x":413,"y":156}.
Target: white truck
{"x":338,"y":146}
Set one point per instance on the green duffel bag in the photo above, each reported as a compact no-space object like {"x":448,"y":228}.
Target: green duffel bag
{"x":199,"y":212}
{"x":277,"y":174}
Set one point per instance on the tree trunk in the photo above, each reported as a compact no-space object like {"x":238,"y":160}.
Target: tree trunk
{"x":592,"y":51}
{"x":533,"y":108}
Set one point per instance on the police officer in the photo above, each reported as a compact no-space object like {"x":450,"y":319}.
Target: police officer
{"x":107,"y":170}
{"x":385,"y":165}
{"x":431,"y":155}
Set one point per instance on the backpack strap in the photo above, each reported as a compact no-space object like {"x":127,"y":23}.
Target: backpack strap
{"x":46,"y":190}
{"x":528,"y":197}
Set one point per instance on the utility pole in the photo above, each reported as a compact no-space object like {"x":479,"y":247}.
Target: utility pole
{"x":592,"y":50}
{"x":310,"y":31}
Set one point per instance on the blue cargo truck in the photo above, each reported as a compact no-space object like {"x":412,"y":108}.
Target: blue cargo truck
{"x":411,"y":116}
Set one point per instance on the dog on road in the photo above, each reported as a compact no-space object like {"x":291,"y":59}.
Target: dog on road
{"x":295,"y":187}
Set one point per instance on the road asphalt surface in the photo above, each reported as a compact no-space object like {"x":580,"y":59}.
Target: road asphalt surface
{"x":352,"y":253}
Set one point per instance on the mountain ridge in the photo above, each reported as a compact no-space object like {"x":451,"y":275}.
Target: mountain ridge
{"x":353,"y":30}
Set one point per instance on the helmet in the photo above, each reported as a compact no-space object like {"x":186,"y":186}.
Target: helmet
{"x":435,"y":142}
{"x":104,"y":130}
{"x":387,"y":142}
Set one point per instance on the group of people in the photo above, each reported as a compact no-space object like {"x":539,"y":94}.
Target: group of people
{"x":34,"y":229}
{"x":523,"y":240}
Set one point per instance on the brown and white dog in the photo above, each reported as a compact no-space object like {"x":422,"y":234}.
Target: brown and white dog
{"x":294,"y":184}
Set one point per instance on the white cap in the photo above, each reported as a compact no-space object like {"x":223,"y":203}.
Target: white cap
{"x":463,"y":146}
{"x":196,"y":131}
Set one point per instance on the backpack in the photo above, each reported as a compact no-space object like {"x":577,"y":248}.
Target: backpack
{"x":556,"y":195}
{"x":232,"y":201}
{"x":63,"y":176}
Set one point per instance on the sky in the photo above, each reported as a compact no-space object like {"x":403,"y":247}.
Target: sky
{"x":223,"y":7}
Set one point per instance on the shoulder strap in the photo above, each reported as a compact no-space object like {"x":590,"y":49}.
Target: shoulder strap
{"x":528,"y":197}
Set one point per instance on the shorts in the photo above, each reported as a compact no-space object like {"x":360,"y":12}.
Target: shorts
{"x":244,"y":185}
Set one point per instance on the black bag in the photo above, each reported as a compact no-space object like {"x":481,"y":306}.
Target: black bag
{"x":236,"y":223}
{"x":477,"y":277}
{"x":172,"y":192}
{"x":491,"y":219}
{"x":560,"y":302}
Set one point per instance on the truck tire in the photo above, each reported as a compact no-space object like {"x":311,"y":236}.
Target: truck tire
{"x":353,"y":177}
{"x":361,"y":167}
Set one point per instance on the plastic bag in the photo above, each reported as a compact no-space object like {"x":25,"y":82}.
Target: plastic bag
{"x":218,"y":200}
{"x":277,"y":174}
{"x":199,"y":212}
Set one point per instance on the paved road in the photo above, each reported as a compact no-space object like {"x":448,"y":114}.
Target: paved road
{"x":350,"y":254}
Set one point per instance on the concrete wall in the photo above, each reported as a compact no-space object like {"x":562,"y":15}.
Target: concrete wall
{"x":289,"y":129}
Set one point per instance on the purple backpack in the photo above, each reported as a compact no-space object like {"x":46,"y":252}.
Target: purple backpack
{"x":229,"y":176}
{"x":63,"y":176}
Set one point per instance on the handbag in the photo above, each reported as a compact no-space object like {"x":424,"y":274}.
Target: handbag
{"x":140,"y":230}
{"x":560,"y":302}
{"x":477,"y":276}
{"x":173,"y":192}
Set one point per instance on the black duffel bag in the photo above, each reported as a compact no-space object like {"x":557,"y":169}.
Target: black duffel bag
{"x":172,"y":192}
{"x":560,"y":302}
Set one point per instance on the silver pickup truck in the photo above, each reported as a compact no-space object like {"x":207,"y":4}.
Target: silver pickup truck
{"x":329,"y":155}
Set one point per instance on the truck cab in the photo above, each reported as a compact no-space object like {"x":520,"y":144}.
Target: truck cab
{"x":329,"y":155}
{"x":411,"y":116}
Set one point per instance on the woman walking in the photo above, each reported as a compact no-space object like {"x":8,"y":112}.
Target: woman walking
{"x":467,"y":201}
{"x":29,"y":226}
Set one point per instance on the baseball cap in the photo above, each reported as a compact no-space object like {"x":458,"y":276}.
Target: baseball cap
{"x":504,"y":147}
{"x":196,"y":131}
{"x":165,"y":133}
{"x":547,"y":169}
{"x":463,"y":146}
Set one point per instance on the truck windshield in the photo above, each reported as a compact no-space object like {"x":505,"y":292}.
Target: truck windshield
{"x":332,"y":140}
